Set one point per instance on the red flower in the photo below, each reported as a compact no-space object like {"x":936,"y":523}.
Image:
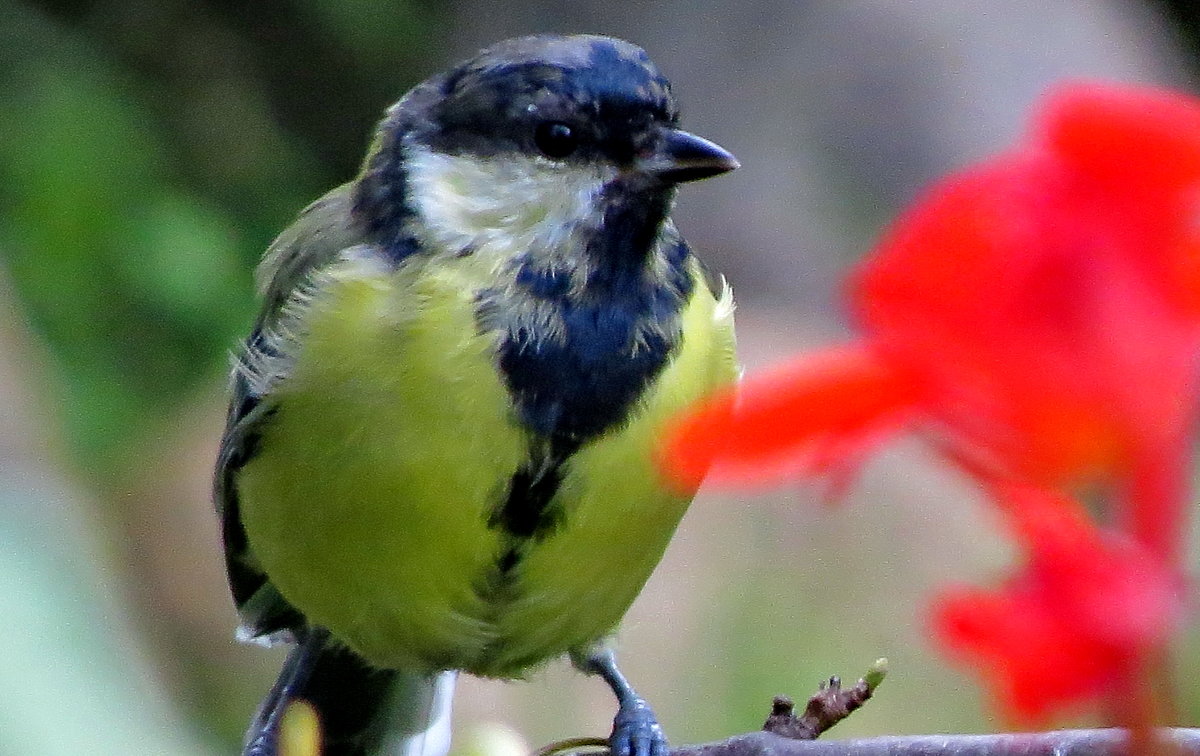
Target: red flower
{"x":1037,"y":312}
{"x":1038,"y":317}
{"x":811,"y":415}
{"x":1080,"y":617}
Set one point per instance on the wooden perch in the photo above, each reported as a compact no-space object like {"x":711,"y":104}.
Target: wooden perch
{"x":785,"y":734}
{"x":1109,"y":742}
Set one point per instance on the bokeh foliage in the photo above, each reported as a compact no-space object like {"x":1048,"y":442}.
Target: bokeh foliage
{"x":148,"y":153}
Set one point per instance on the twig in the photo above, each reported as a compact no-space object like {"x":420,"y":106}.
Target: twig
{"x":830,"y":705}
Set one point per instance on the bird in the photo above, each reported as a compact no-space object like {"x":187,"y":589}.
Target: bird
{"x":439,"y":454}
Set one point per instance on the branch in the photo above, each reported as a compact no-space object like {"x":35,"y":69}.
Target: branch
{"x":1109,"y":742}
{"x":785,"y":734}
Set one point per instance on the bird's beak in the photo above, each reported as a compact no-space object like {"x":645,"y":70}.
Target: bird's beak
{"x":681,"y":156}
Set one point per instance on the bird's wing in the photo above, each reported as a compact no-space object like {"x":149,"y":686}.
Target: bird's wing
{"x":321,"y":232}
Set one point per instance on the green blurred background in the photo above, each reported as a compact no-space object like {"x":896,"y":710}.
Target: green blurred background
{"x":150,"y":149}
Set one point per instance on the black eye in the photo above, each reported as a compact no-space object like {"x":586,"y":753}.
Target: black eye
{"x":555,"y":139}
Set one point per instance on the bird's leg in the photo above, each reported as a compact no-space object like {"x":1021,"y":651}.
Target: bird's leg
{"x":263,"y":737}
{"x":636,"y":731}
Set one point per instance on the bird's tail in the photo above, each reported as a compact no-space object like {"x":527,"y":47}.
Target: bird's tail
{"x":425,"y":730}
{"x":362,"y":711}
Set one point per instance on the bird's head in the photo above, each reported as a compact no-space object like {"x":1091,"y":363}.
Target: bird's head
{"x":529,"y":144}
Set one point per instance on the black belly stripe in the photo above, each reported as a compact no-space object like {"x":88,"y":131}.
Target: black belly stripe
{"x":529,"y":511}
{"x":527,"y":514}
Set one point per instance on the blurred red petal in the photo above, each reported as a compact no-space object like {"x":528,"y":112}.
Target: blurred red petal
{"x":1102,"y":581}
{"x":1154,"y":504}
{"x":1021,"y":306}
{"x":694,"y":438}
{"x":1142,"y":146}
{"x":1034,"y":663}
{"x":1138,"y":140}
{"x":1085,"y":609}
{"x":806,"y":416}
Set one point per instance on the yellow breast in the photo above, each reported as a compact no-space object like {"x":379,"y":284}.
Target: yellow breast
{"x":394,"y":440}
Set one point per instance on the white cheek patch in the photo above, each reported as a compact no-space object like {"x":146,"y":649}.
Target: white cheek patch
{"x":502,"y":206}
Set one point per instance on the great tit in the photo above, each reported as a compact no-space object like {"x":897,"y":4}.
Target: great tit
{"x":439,"y":449}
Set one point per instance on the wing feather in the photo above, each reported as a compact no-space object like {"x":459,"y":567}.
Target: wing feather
{"x":316,"y":239}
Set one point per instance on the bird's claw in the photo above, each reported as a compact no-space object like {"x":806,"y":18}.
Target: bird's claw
{"x":636,"y":732}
